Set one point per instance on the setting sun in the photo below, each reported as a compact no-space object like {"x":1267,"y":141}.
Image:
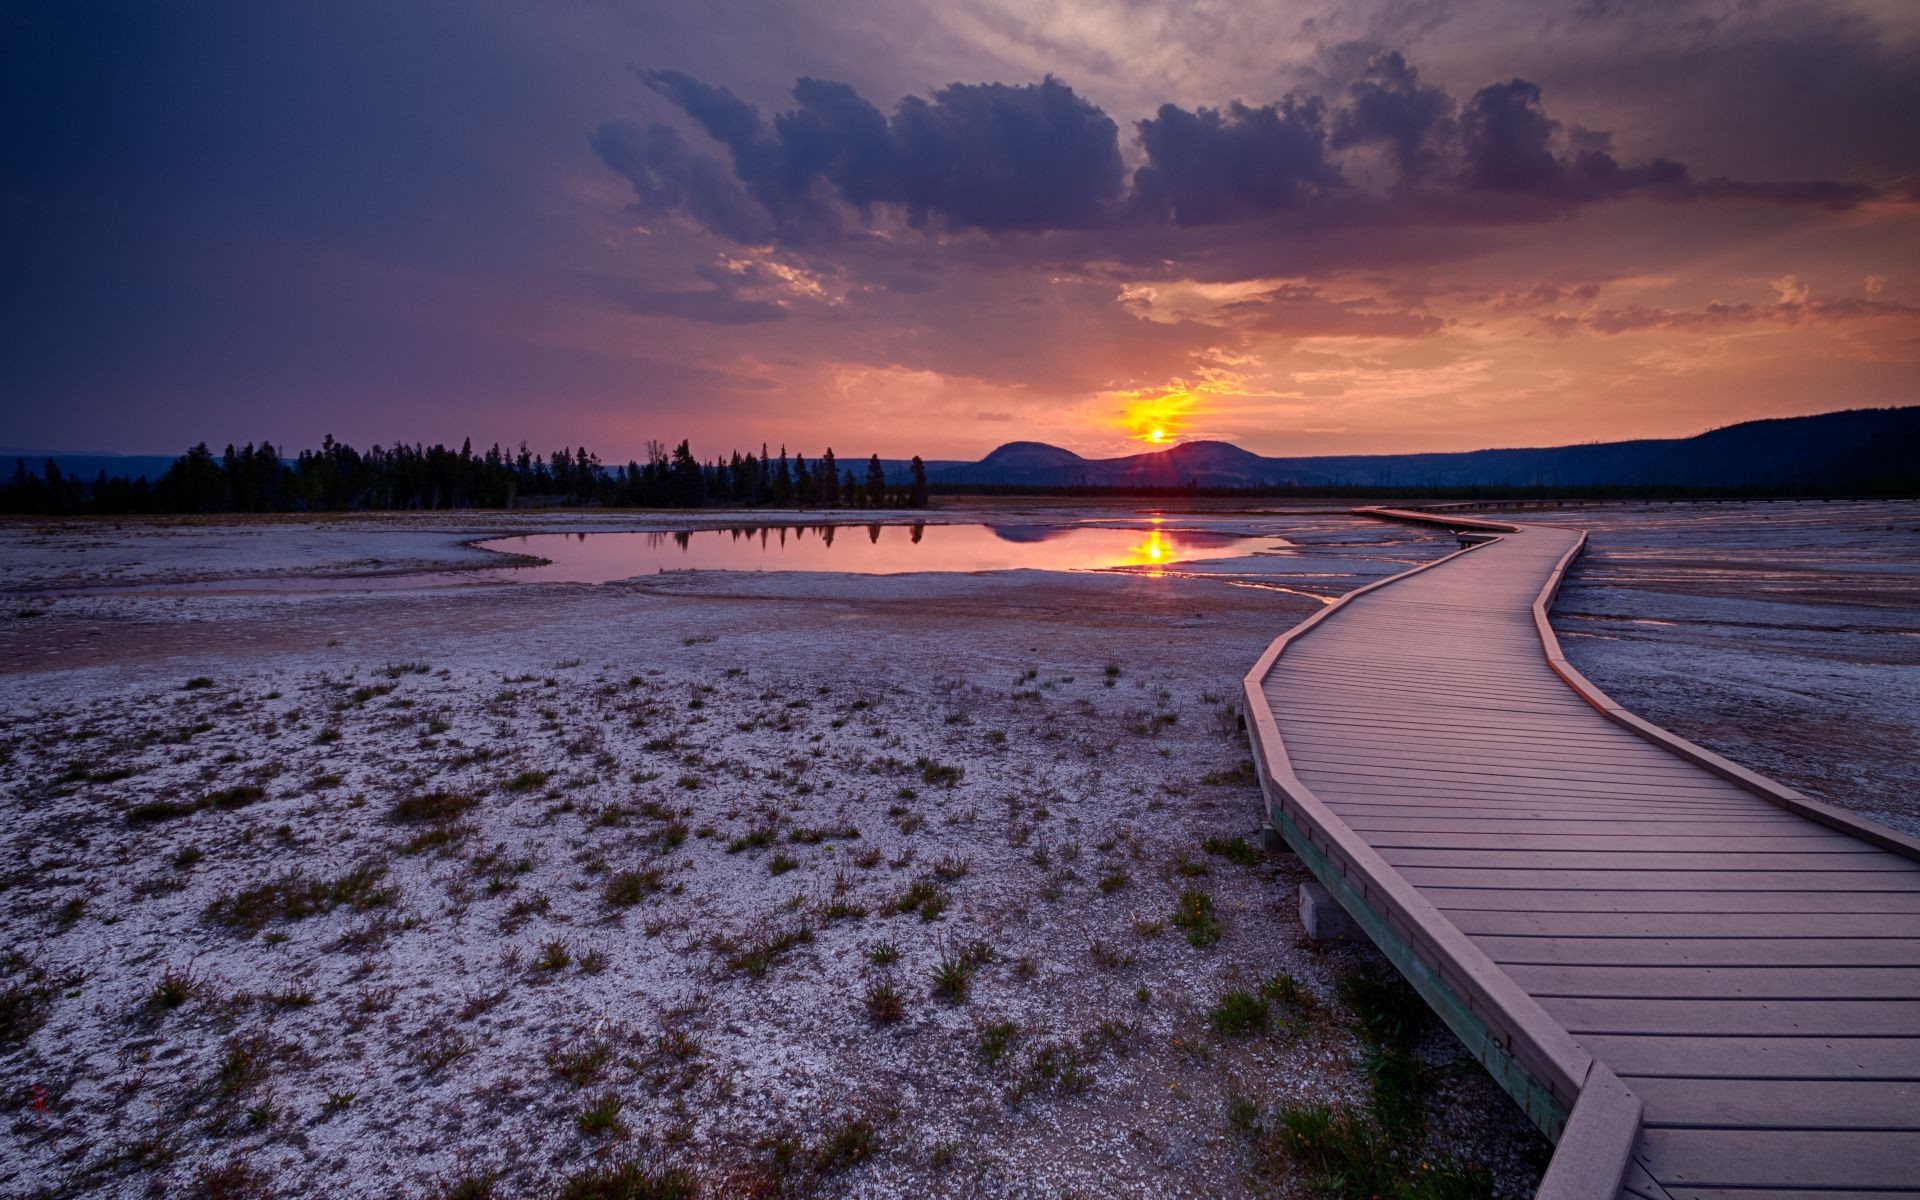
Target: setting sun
{"x":1158,"y":435}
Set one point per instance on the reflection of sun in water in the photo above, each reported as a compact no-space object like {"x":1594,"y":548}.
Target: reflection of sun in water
{"x":1154,"y":551}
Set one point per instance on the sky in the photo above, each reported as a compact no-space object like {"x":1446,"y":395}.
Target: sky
{"x":904,"y":227}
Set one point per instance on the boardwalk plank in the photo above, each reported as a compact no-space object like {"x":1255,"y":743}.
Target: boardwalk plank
{"x":1780,"y":1158}
{"x":1753,"y":1018}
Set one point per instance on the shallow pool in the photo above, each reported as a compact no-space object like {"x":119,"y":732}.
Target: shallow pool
{"x":866,"y":549}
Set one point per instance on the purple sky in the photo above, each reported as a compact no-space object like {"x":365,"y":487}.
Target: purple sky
{"x":1303,"y":227}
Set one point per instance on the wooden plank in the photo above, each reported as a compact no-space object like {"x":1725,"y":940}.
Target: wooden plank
{"x":1325,"y":708}
{"x":1504,"y":814}
{"x":1707,"y":952}
{"x":1754,"y":1018}
{"x":1821,"y":842}
{"x":1730,"y":983}
{"x":1358,"y":791}
{"x":1687,"y":1192}
{"x":1825,"y":1159}
{"x":1692,"y":880}
{"x":1764,"y":1104}
{"x":1502,"y":764}
{"x":1782,"y":825}
{"x":1524,"y":900}
{"x":1684,"y":1056}
{"x":1570,"y":780}
{"x":1392,"y":782}
{"x":1827,"y":926}
{"x":1641,"y":858}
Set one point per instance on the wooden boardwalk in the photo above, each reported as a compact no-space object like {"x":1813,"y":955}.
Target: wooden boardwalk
{"x":1699,"y":983}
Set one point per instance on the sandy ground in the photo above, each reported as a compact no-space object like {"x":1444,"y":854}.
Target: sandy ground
{"x":1784,"y":636}
{"x":375,"y":885}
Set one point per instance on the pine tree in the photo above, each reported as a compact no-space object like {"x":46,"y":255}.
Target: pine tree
{"x":687,"y":479}
{"x":782,"y":480}
{"x":917,"y":498}
{"x":876,"y":483}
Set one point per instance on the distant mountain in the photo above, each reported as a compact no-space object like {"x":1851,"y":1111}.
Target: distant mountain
{"x":1870,"y":449}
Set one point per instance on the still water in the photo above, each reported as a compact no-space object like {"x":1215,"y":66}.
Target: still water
{"x":866,"y":550}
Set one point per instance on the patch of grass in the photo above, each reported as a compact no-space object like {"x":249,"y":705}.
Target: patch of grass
{"x":527,"y":781}
{"x":1239,"y":1013}
{"x":884,"y":1002}
{"x":434,"y":807}
{"x":883,"y":954}
{"x":629,"y":1179}
{"x":1389,"y":1016}
{"x":24,"y":1007}
{"x":848,"y":1144}
{"x":228,"y":799}
{"x":996,"y":1040}
{"x":624,"y":889}
{"x":442,"y":1051}
{"x":296,"y":895}
{"x":754,"y":839}
{"x":244,"y":1064}
{"x":758,"y":956}
{"x":152,"y":812}
{"x":1234,"y":849}
{"x":196,"y":683}
{"x":234,"y":1179}
{"x":601,"y":1117}
{"x":554,"y":956}
{"x":953,"y":978}
{"x":1057,"y":1066}
{"x":475,"y":1185}
{"x":780,"y":864}
{"x":1194,"y":912}
{"x":174,"y":988}
{"x":922,"y":896}
{"x":932,"y":772}
{"x":580,"y":1065}
{"x":1344,"y":1154}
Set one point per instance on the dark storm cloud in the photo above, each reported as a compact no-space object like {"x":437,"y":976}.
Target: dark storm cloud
{"x":1388,"y":105}
{"x":1210,"y":167}
{"x":993,"y":157}
{"x":1002,"y":158}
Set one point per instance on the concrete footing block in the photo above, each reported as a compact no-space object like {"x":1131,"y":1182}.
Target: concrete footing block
{"x":1322,"y":916}
{"x":1271,"y":841}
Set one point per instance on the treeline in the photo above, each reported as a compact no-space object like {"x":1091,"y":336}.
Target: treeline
{"x":339,"y":478}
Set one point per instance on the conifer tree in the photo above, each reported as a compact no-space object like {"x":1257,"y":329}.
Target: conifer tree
{"x":829,"y":480}
{"x":917,"y":498}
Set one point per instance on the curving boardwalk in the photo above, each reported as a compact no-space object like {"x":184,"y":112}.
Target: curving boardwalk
{"x":1699,"y":983}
